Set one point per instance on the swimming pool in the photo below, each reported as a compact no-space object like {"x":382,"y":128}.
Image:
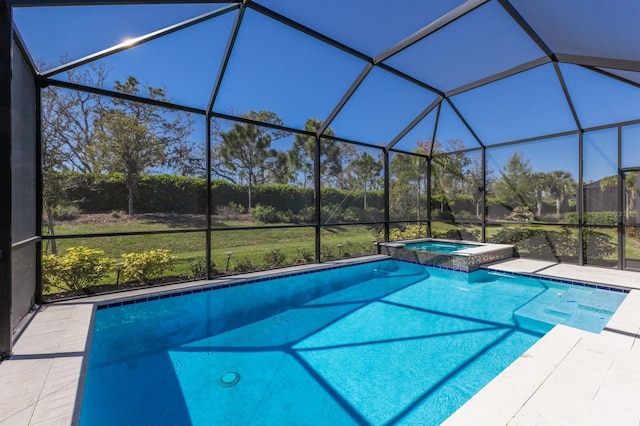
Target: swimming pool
{"x":440,"y":246}
{"x":373,"y":343}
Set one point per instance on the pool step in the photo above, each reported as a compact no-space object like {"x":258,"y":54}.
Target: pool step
{"x":602,"y":302}
{"x":543,"y":312}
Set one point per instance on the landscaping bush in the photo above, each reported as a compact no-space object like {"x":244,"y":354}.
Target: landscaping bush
{"x":65,"y":212}
{"x":268,"y":214}
{"x":303,"y":256}
{"x":351,"y":249}
{"x":593,"y":218}
{"x":76,"y":269}
{"x":328,"y":253}
{"x":283,"y":197}
{"x":245,"y":265}
{"x":171,"y":194}
{"x":554,"y":245}
{"x":596,"y":245}
{"x":199,"y":268}
{"x":274,"y":257}
{"x":457,"y":234}
{"x":142,"y":267}
{"x":306,"y":215}
{"x":409,"y":233}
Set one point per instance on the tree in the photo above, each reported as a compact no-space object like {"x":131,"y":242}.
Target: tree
{"x":540,"y":183}
{"x":303,"y":153}
{"x":68,"y":116}
{"x":280,"y":170}
{"x":630,"y":190}
{"x":408,"y":173}
{"x":133,"y":138}
{"x":67,"y":135}
{"x":245,"y":149}
{"x":474,"y":182}
{"x":561,"y":185}
{"x":365,"y":171}
{"x":514,"y":185}
{"x":448,"y":171}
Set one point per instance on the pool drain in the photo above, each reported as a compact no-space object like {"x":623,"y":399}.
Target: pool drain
{"x":229,"y":379}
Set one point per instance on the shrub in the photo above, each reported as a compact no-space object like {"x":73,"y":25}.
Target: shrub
{"x":274,"y":257}
{"x":267,"y":214}
{"x":522,"y":214}
{"x":76,"y":269}
{"x":409,"y":233}
{"x":305,"y":215}
{"x":303,"y":256}
{"x":597,"y":245}
{"x":457,"y":234}
{"x":65,"y":212}
{"x":199,"y":268}
{"x":142,"y":267}
{"x":465,"y":215}
{"x":544,"y":244}
{"x":537,"y":242}
{"x":230,"y":212}
{"x":351,"y":249}
{"x":245,"y":265}
{"x":594,"y":218}
{"x":328,"y":253}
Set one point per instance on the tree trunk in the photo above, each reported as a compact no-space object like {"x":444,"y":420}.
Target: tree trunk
{"x":132,"y":189}
{"x":250,"y":190}
{"x":539,"y":206}
{"x":418,"y":202}
{"x":558,"y":206}
{"x":50,"y":230}
{"x":365,"y":196}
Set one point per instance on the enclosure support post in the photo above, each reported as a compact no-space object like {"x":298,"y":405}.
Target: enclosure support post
{"x":429,"y":196}
{"x":385,"y":153}
{"x":316,"y":186}
{"x":621,"y":189}
{"x":39,"y":193}
{"x":483,"y":200}
{"x":208,"y":209}
{"x":580,"y":201}
{"x":5,"y":179}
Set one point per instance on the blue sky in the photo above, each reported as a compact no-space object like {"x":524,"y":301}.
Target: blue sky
{"x":277,"y":68}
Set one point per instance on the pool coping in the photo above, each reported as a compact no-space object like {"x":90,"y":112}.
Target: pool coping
{"x":42,"y":382}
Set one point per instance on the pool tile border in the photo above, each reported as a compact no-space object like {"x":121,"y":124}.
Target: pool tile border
{"x":560,"y":280}
{"x":529,"y":275}
{"x":240,"y":282}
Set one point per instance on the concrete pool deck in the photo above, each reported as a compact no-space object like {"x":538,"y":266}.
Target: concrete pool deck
{"x":568,"y":377}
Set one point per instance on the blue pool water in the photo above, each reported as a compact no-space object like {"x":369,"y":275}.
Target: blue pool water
{"x":375,"y":343}
{"x":439,"y":246}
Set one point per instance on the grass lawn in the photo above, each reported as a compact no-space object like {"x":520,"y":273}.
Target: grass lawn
{"x":248,"y":248}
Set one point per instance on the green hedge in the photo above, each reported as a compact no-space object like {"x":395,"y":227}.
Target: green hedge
{"x":557,"y":244}
{"x":98,"y":193}
{"x":101,"y":193}
{"x":593,"y":218}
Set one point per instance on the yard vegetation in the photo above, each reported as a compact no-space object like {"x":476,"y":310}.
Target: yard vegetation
{"x":116,"y":171}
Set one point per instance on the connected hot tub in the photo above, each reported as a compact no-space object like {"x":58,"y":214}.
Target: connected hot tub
{"x":451,"y":254}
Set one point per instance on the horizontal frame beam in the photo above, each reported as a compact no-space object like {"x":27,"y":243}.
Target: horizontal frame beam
{"x":592,"y":61}
{"x":138,"y":41}
{"x":429,"y":29}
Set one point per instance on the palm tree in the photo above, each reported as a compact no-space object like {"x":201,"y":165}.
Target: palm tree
{"x":541,"y":183}
{"x":561,"y":185}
